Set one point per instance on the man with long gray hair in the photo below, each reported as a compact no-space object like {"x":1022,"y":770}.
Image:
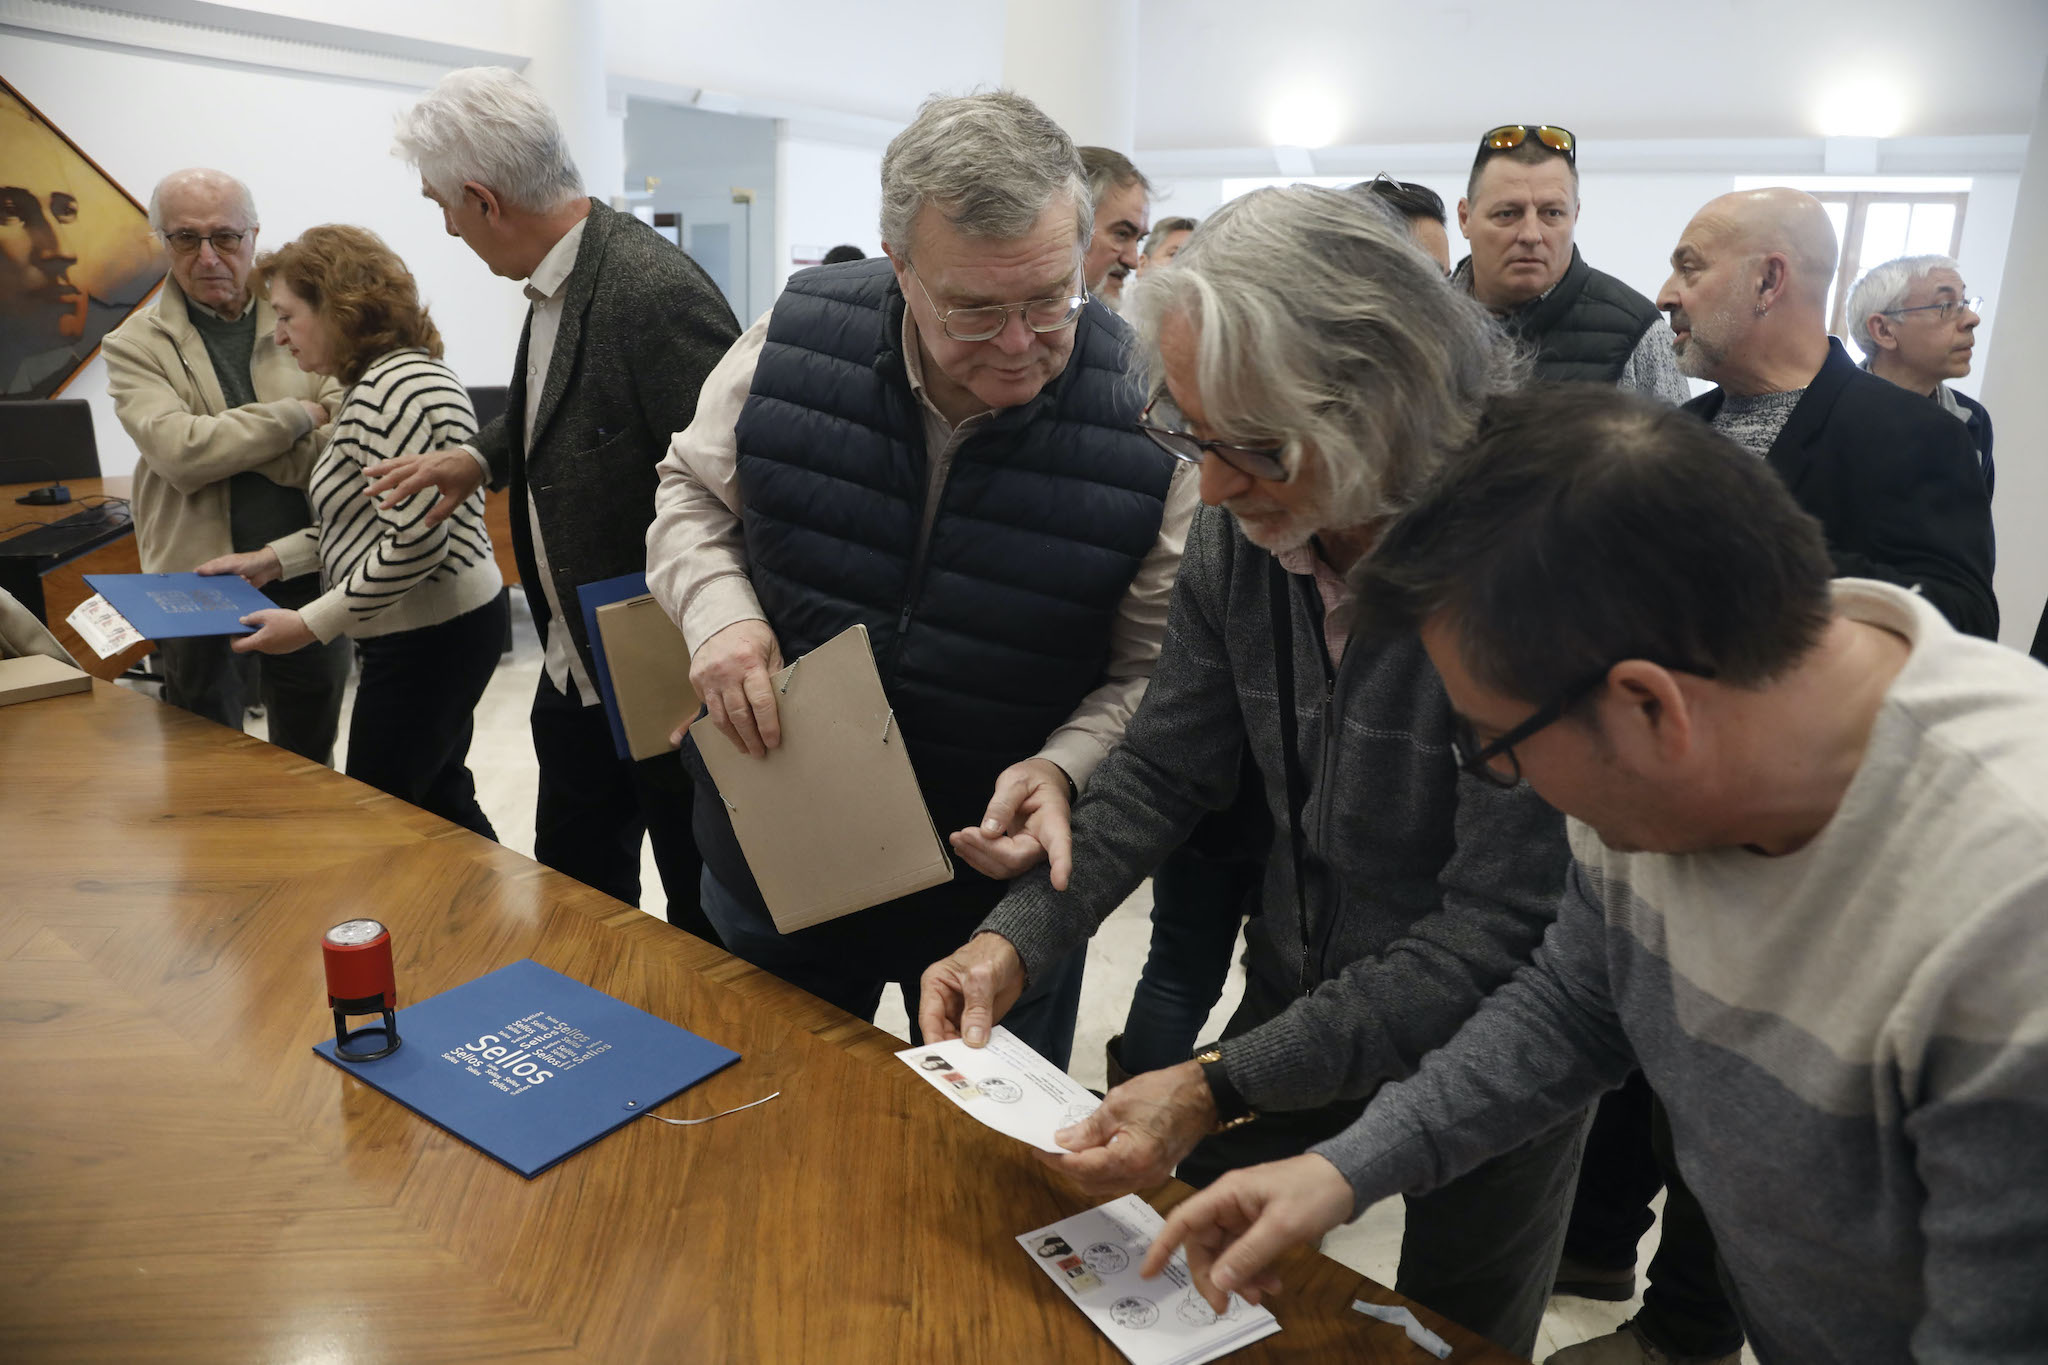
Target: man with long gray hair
{"x":620,"y":331}
{"x":1316,"y":368}
{"x":939,"y":445}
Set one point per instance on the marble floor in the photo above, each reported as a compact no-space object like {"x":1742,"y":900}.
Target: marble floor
{"x":501,"y":756}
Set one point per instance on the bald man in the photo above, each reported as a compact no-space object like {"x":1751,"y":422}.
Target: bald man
{"x":1892,"y":479}
{"x":226,"y":425}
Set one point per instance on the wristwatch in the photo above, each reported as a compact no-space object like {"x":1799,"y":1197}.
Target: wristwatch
{"x":1231,"y":1109}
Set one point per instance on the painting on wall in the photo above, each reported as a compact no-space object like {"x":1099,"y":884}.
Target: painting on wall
{"x":76,"y":253}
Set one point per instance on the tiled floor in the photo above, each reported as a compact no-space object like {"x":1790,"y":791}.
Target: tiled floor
{"x":501,"y":756}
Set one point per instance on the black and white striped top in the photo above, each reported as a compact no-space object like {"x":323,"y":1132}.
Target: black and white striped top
{"x":382,"y":570}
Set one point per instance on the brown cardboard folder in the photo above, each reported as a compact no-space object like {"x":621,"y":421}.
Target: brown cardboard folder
{"x":35,"y":676}
{"x":832,"y":821}
{"x":650,"y":668}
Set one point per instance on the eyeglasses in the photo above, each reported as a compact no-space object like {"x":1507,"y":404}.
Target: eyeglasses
{"x":985,"y":321}
{"x":1509,"y":136}
{"x":1943,"y":310}
{"x":1169,"y":432}
{"x":186,"y":242}
{"x":1477,"y":759}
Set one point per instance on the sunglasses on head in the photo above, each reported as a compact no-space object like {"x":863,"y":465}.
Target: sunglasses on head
{"x":1509,"y":136}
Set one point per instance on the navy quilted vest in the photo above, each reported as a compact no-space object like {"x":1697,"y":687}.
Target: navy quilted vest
{"x":1048,"y":511}
{"x":1585,"y":328}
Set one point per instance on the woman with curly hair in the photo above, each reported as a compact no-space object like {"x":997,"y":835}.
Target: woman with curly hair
{"x":423,"y":603}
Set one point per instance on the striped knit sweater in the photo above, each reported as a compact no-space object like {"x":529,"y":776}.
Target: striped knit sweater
{"x":382,"y":570}
{"x":1851,"y":1039}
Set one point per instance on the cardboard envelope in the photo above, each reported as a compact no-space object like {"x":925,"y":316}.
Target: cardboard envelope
{"x":650,"y":673}
{"x":832,"y":821}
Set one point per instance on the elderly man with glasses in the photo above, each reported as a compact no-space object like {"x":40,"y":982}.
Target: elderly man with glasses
{"x":1520,"y":210}
{"x":938,"y":444}
{"x":226,"y":428}
{"x":1916,"y":323}
{"x":1317,"y":370}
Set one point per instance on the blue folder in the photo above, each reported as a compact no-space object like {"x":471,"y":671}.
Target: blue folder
{"x":173,"y":606}
{"x":591,"y":596}
{"x":529,"y":1066}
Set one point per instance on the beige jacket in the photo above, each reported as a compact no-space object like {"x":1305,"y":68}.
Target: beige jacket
{"x":191,"y":441}
{"x":21,"y":634}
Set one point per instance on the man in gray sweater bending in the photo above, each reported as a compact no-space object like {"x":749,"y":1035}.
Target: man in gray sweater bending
{"x":1809,"y":899}
{"x":1316,"y":366}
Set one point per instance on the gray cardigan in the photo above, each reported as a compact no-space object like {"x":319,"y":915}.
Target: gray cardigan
{"x":1426,"y":888}
{"x":642,"y":325}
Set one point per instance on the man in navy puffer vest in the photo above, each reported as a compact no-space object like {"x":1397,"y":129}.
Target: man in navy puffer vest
{"x":939,"y":445}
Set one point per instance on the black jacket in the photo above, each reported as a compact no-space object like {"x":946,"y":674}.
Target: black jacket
{"x":1893,"y":481}
{"x":641,"y":327}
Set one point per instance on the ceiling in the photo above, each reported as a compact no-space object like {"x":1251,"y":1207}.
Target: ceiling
{"x":1212,"y":71}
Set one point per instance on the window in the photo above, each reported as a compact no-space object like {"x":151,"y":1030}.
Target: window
{"x":1873,"y":227}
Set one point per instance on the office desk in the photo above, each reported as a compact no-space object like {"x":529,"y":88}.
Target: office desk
{"x":181,"y":1179}
{"x":52,"y":587}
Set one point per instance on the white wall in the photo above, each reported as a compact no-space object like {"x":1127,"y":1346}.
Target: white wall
{"x":699,"y":158}
{"x":878,"y":57}
{"x":279,"y":133}
{"x":826,"y":193}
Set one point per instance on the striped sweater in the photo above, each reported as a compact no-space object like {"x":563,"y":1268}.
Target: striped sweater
{"x":382,"y":570}
{"x":1852,"y":1039}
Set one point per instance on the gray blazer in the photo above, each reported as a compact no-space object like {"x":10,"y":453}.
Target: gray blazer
{"x":642,"y":325}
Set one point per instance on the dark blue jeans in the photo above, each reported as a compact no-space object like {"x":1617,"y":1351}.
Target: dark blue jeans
{"x":1043,"y":1016}
{"x":415,"y":711}
{"x":1197,"y":904}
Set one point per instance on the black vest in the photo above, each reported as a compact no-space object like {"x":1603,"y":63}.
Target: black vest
{"x":1585,"y":328}
{"x":988,"y":643}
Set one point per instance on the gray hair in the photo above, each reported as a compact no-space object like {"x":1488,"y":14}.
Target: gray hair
{"x":991,"y":163}
{"x":205,"y":175}
{"x":1319,"y":322}
{"x":1163,"y":229}
{"x":486,"y":124}
{"x":1108,"y":169}
{"x":1883,"y":288}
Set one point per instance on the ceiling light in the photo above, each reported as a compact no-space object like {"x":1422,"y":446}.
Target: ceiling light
{"x":1303,"y":119}
{"x":1861,"y":106}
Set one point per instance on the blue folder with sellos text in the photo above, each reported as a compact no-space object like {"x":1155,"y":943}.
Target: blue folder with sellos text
{"x":530,"y":1066}
{"x":177,"y":606}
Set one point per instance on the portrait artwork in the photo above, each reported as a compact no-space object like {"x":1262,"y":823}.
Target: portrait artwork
{"x":76,"y":253}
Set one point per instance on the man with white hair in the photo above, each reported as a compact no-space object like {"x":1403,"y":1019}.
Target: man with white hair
{"x":226,"y":428}
{"x":938,"y":444}
{"x":621,"y":330}
{"x":1122,"y":197}
{"x":1916,"y":324}
{"x":1316,"y":368}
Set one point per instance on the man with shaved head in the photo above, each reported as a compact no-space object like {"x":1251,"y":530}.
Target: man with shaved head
{"x":1892,"y":479}
{"x":226,"y":425}
{"x":1894,"y":483}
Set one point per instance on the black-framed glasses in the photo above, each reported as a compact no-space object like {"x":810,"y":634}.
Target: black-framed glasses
{"x":186,"y":242}
{"x":1477,"y":759}
{"x":1163,"y":422}
{"x":1509,"y":136}
{"x":1944,"y":310}
{"x":986,"y":321}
